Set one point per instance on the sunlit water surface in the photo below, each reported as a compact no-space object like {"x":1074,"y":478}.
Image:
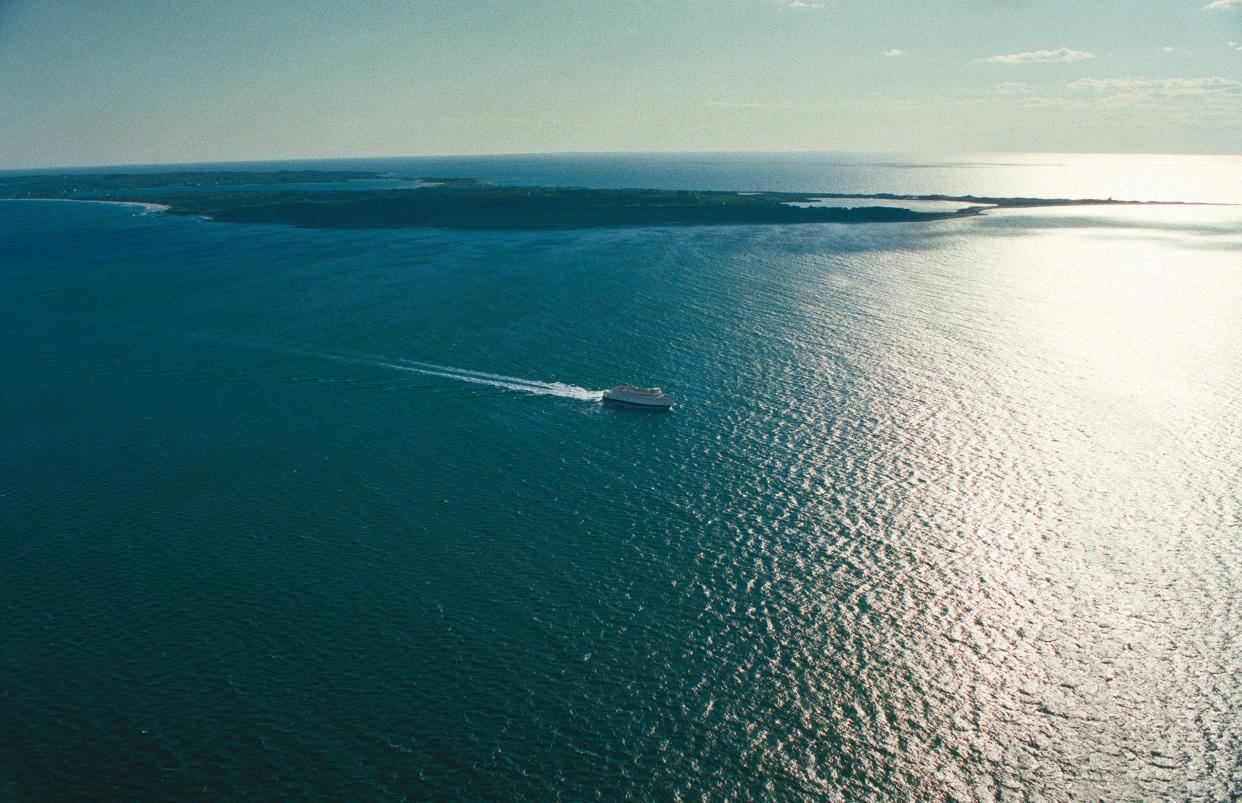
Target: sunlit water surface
{"x":946,"y":509}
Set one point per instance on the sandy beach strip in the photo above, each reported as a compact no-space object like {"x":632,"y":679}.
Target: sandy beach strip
{"x":148,"y":206}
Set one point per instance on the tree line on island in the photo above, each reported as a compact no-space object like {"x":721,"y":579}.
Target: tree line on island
{"x":464,"y":203}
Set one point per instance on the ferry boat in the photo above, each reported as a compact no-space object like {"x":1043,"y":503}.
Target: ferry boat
{"x":642,"y":397}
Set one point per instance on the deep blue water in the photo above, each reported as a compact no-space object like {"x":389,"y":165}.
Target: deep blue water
{"x":946,"y":509}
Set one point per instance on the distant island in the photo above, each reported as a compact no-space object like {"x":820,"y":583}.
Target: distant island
{"x":458,"y":203}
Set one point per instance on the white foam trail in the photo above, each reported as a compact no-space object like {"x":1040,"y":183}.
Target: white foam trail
{"x":514,"y":383}
{"x":498,"y":380}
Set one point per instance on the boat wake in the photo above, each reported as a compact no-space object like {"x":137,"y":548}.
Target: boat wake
{"x":496,"y":380}
{"x":514,"y":383}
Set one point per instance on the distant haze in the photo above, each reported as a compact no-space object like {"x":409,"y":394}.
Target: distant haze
{"x":87,"y":83}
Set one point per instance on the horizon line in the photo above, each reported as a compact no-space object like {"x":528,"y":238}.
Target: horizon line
{"x":528,"y":154}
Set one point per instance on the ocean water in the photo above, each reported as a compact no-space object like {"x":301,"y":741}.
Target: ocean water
{"x":945,"y":510}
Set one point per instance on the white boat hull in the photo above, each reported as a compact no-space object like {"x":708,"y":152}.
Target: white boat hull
{"x":656,"y":401}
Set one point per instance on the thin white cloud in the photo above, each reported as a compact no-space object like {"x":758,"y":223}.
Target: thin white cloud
{"x":1010,"y":88}
{"x":1161,"y":88}
{"x":1168,"y":49}
{"x":761,"y":105}
{"x":1171,"y":102}
{"x":1220,"y":5}
{"x":800,"y":4}
{"x":811,"y":105}
{"x":1236,"y":45}
{"x":1036,"y":56}
{"x":894,"y":52}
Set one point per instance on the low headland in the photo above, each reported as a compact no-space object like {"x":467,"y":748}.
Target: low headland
{"x":458,"y":203}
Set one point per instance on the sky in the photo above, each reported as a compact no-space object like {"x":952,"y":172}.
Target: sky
{"x":92,"y":82}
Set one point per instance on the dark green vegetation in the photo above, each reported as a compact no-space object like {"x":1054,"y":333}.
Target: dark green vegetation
{"x":455,"y":203}
{"x":485,"y":207}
